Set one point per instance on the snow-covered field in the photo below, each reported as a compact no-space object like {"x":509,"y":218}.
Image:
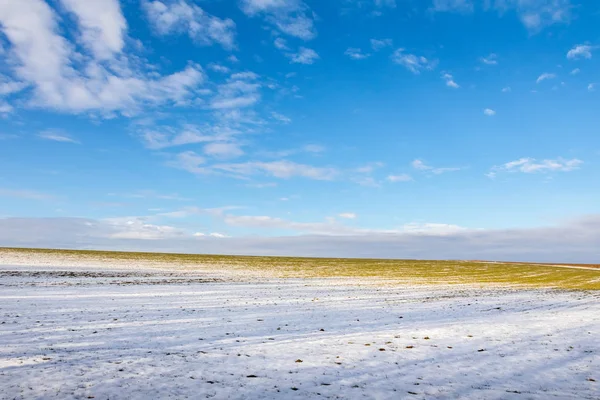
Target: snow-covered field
{"x":110,"y":334}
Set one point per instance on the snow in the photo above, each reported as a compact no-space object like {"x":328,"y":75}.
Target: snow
{"x":106,"y":334}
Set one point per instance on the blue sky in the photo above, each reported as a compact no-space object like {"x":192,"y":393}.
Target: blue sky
{"x":193,"y":125}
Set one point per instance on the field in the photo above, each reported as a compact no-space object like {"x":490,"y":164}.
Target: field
{"x":77,"y":325}
{"x":400,"y":271}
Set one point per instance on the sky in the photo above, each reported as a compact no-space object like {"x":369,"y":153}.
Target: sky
{"x":361,"y":128}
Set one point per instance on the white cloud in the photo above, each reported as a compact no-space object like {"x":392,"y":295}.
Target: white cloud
{"x":280,"y":117}
{"x":184,"y":18}
{"x":531,"y":165}
{"x":191,"y":162}
{"x":291,"y":17}
{"x":347,"y":215}
{"x":413,"y":63}
{"x":506,"y":89}
{"x":151,"y":194}
{"x":284,"y":169}
{"x":139,"y":228}
{"x":236,"y":93}
{"x":399,"y":178}
{"x":421,"y":166}
{"x":450,"y":81}
{"x":309,"y":148}
{"x":492,"y":59}
{"x":368,"y":168}
{"x":279,"y":169}
{"x":536,"y":14}
{"x":102,"y":25}
{"x":8,"y":86}
{"x":5,"y":108}
{"x":489,"y":112}
{"x":281,"y":44}
{"x":313,"y":148}
{"x":545,"y":76}
{"x":43,"y":59}
{"x":219,"y":68}
{"x":223,"y":150}
{"x":367,"y":181}
{"x":432,"y":228}
{"x":580,"y":51}
{"x":158,"y":137}
{"x":329,"y":227}
{"x":591,"y":87}
{"x":379,"y":44}
{"x":304,"y":56}
{"x":213,"y":235}
{"x":57,"y":136}
{"x":246,"y":75}
{"x":575,"y":71}
{"x":356,"y":53}
{"x":573,"y":241}
{"x":217,"y":235}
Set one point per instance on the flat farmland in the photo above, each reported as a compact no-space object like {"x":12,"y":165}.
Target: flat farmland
{"x":106,"y":325}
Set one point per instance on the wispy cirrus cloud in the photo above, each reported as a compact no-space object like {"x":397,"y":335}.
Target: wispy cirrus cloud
{"x":303,"y":56}
{"x":241,"y":90}
{"x":57,"y":136}
{"x":223,"y":150}
{"x":150,"y":194}
{"x":290,"y":17}
{"x":283,"y":169}
{"x":413,"y":63}
{"x":348,"y":215}
{"x":420,"y":165}
{"x":280,"y":169}
{"x":380,"y":44}
{"x":544,"y":77}
{"x":538,"y":14}
{"x":329,"y":227}
{"x":162,"y":137}
{"x":280,"y":44}
{"x":183,"y":17}
{"x":399,"y":178}
{"x":356,"y":53}
{"x":535,"y":15}
{"x":530,"y":165}
{"x":280,"y":117}
{"x":491,"y":59}
{"x":450,"y":82}
{"x":313,"y":149}
{"x":581,"y":51}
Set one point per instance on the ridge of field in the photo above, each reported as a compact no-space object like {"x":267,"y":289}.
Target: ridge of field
{"x":477,"y":273}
